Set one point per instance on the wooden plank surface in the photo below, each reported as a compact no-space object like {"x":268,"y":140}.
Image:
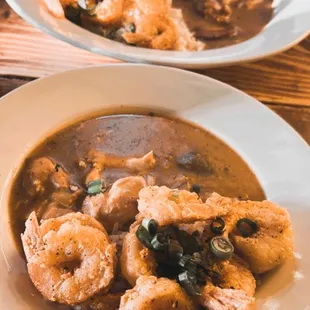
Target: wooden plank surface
{"x":26,"y":51}
{"x":282,"y":82}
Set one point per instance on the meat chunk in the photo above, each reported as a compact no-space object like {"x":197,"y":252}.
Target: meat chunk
{"x":168,"y":206}
{"x":271,"y":244}
{"x":140,"y":164}
{"x":118,"y":205}
{"x":236,"y":275}
{"x":43,"y":172}
{"x":135,"y":259}
{"x":100,"y":161}
{"x":215,"y":298}
{"x":105,"y":302}
{"x":151,"y":293}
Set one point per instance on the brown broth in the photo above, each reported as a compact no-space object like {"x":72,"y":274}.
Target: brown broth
{"x":248,"y":21}
{"x":135,"y":135}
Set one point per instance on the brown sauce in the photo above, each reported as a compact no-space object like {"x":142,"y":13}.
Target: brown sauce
{"x":135,"y":135}
{"x":216,"y":23}
{"x":244,"y":23}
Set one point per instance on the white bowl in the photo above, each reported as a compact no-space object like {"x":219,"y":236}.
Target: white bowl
{"x":273,"y":150}
{"x":290,"y":25}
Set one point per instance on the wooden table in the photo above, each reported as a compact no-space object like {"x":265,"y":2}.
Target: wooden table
{"x":282,"y":82}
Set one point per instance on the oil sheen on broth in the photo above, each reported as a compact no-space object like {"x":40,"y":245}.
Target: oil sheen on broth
{"x":173,"y":142}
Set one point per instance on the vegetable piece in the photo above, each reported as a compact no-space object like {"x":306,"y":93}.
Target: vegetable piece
{"x":132,"y":28}
{"x":188,"y":281}
{"x":201,"y":277}
{"x":88,"y":6}
{"x":186,"y":262}
{"x":218,"y":226}
{"x":171,"y":231}
{"x":167,"y":270}
{"x":247,"y":227}
{"x":159,"y":242}
{"x":221,"y":248}
{"x":150,"y":225}
{"x":189,"y":243}
{"x":144,"y":237}
{"x":196,"y":189}
{"x":95,"y":187}
{"x":175,"y":251}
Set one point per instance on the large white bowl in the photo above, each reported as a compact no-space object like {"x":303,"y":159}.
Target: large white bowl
{"x":273,"y":150}
{"x":290,"y":25}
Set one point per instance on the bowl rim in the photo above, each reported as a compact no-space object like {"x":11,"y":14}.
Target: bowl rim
{"x":179,"y":59}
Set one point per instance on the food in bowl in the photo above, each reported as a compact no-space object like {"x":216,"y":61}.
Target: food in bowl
{"x":168,"y":25}
{"x":121,"y":212}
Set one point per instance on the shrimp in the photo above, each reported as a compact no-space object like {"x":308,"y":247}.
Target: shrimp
{"x":135,"y":259}
{"x":157,"y":25}
{"x":168,"y":206}
{"x":119,"y":205}
{"x":70,"y":258}
{"x":153,"y":27}
{"x":185,"y":38}
{"x":236,"y":275}
{"x":105,"y":302}
{"x":273,"y":242}
{"x":109,"y":11}
{"x":56,"y":7}
{"x":154,"y":31}
{"x":216,"y":298}
{"x":236,"y":289}
{"x":151,"y":293}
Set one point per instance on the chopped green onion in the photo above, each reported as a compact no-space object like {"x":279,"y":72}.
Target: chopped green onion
{"x":247,"y":227}
{"x":188,"y":282}
{"x":201,"y":277}
{"x":159,"y":242}
{"x":184,"y":260}
{"x":132,"y":28}
{"x":196,"y":189}
{"x":189,"y":243}
{"x":150,"y":225}
{"x":221,"y":247}
{"x":144,"y":237}
{"x":167,"y":270}
{"x":217,"y":226}
{"x":175,"y":251}
{"x":170,"y":231}
{"x":197,"y":258}
{"x":95,"y":187}
{"x":187,"y":263}
{"x":57,"y":166}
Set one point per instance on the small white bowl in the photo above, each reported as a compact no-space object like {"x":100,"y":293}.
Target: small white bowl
{"x":290,"y":24}
{"x":273,"y":150}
